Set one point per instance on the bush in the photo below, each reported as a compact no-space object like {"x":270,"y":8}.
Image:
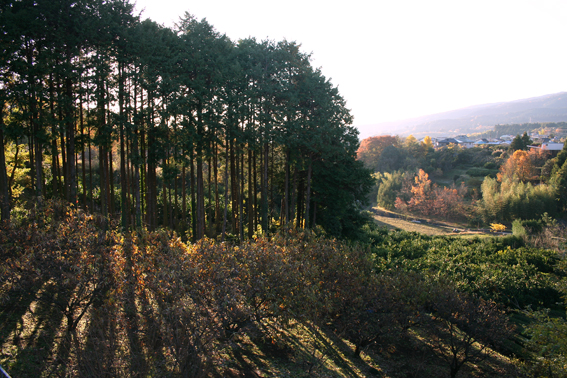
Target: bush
{"x":499,"y":269}
{"x":482,"y":172}
{"x":518,"y":229}
{"x":460,"y":322}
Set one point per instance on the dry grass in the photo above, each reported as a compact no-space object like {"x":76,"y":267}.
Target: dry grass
{"x":395,"y":221}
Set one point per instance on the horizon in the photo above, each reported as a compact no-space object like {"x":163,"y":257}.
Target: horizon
{"x":464,"y":107}
{"x":400,"y":60}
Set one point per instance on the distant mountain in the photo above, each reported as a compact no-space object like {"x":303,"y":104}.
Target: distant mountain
{"x":477,"y":118}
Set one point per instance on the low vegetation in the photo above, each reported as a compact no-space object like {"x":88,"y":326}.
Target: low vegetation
{"x":79,"y":300}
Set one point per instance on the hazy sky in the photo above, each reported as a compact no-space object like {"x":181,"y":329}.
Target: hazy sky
{"x":398,"y":59}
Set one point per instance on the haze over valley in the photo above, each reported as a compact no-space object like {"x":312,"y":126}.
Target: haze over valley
{"x":476,"y":118}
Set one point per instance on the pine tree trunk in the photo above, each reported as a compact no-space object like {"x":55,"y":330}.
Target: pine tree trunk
{"x":37,"y":157}
{"x":250,"y":198}
{"x":110,"y":181}
{"x":137,"y":181}
{"x":308,"y":194}
{"x":241,"y":204}
{"x":125,"y":217}
{"x":31,"y":154}
{"x":255,"y":188}
{"x":210,"y":217}
{"x":233,"y":186}
{"x":83,"y":167}
{"x":61,"y":133}
{"x":225,"y":210}
{"x":175,"y":204}
{"x":54,"y":152}
{"x":200,"y":197}
{"x":285,"y":207}
{"x":265,"y":187}
{"x":102,"y":174}
{"x":193,"y":203}
{"x":91,"y":173}
{"x":4,"y":187}
{"x":71,"y":179}
{"x":183,"y":197}
{"x":271,"y":187}
{"x":293,"y":214}
{"x":164,"y":194}
{"x":300,"y":203}
{"x":217,"y":205}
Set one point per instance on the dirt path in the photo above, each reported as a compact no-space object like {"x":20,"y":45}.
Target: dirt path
{"x":394,"y":221}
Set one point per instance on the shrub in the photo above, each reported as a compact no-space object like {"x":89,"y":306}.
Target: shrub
{"x":481,"y":172}
{"x":465,"y":326}
{"x":518,"y":229}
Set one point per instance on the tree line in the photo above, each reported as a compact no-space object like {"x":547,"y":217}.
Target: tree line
{"x":480,"y":184}
{"x":171,"y":127}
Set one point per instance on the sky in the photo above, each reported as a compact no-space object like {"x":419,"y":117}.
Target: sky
{"x":399,"y":59}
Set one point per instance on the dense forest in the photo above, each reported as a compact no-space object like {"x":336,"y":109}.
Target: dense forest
{"x":179,"y":128}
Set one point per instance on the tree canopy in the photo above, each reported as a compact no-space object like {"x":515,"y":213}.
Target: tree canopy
{"x":180,"y":127}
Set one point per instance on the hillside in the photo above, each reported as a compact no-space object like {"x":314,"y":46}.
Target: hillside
{"x":477,"y":118}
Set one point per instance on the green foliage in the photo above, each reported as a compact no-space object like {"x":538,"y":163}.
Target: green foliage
{"x":389,"y":188}
{"x":560,"y":160}
{"x":482,"y":172}
{"x":520,"y":142}
{"x":498,"y":269}
{"x":560,"y":181}
{"x":145,"y":121}
{"x":489,"y":165}
{"x":518,"y":229}
{"x":527,"y":227}
{"x":547,"y":341}
{"x":513,"y":199}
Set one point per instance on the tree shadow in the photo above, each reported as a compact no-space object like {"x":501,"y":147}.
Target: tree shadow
{"x":35,"y":335}
{"x":338,"y":351}
{"x":13,"y":310}
{"x":299,"y":350}
{"x":97,"y":357}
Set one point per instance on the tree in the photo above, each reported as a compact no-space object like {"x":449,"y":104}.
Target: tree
{"x":427,"y":142}
{"x":371,"y":149}
{"x":560,"y":181}
{"x":465,"y":327}
{"x":520,"y":142}
{"x":518,"y":165}
{"x":4,"y":187}
{"x":391,"y":159}
{"x":389,"y":188}
{"x":560,"y":159}
{"x":526,"y":141}
{"x":166,"y":112}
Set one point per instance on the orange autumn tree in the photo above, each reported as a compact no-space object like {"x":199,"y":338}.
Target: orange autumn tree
{"x":429,"y":199}
{"x":519,"y":165}
{"x":421,"y":193}
{"x":371,"y":148}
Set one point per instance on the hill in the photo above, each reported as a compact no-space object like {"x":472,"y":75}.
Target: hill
{"x":477,"y":118}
